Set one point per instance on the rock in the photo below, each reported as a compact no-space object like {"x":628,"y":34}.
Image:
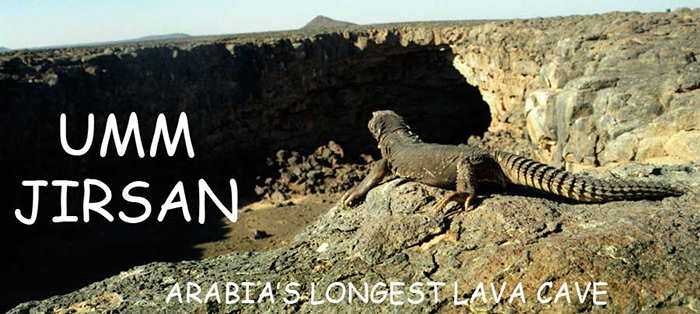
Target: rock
{"x":293,"y":161}
{"x":554,"y":75}
{"x":324,"y":152}
{"x":652,"y":147}
{"x":260,"y":234}
{"x":389,"y":235}
{"x":336,"y":149}
{"x":635,"y":77}
{"x":278,"y":196}
{"x":691,"y":81}
{"x":329,"y":151}
{"x":281,"y":156}
{"x":541,"y":121}
{"x":582,"y":142}
{"x":591,"y":82}
{"x":296,"y":171}
{"x":643,"y":248}
{"x":260,"y":190}
{"x":690,"y":99}
{"x":685,"y":145}
{"x":572,"y":105}
{"x":312,"y":161}
{"x":314,"y":175}
{"x":322,"y":171}
{"x":621,"y":149}
{"x":526,"y":67}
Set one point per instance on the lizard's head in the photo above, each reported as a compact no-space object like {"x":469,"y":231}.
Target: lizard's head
{"x":384,"y":122}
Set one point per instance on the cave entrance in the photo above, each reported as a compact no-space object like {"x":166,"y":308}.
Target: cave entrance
{"x":421,"y":84}
{"x":418,"y":82}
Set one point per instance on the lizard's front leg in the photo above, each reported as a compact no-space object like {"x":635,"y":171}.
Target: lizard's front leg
{"x":466,"y":187}
{"x":373,"y":178}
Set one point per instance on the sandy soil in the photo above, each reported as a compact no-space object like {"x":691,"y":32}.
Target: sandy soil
{"x":275,"y":223}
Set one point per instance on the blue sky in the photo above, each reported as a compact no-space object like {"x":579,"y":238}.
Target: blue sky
{"x":34,"y":23}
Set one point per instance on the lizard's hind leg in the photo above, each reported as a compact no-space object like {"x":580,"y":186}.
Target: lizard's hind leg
{"x":466,"y":187}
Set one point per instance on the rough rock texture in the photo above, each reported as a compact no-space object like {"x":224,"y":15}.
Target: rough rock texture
{"x":582,"y":91}
{"x":326,"y":170}
{"x":591,"y":90}
{"x":647,"y":251}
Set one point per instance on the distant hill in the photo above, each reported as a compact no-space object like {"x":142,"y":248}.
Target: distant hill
{"x":159,"y":37}
{"x":132,"y":40}
{"x":324,"y":22}
{"x":3,"y":49}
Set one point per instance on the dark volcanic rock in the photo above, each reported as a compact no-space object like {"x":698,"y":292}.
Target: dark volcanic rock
{"x":326,"y":170}
{"x":321,"y":22}
{"x":260,"y":234}
{"x":580,"y":91}
{"x":646,"y":251}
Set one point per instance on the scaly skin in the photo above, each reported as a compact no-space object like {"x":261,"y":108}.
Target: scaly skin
{"x":461,"y":168}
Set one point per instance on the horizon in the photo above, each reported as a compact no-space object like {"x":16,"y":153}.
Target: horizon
{"x":31,"y":24}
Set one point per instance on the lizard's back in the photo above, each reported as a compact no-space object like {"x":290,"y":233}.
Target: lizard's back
{"x":431,"y":164}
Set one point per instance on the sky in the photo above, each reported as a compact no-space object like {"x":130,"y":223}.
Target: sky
{"x":36,"y":23}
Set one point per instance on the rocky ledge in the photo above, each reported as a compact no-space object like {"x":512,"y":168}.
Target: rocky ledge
{"x":646,"y":251}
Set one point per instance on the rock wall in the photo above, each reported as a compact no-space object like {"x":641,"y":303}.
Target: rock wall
{"x":591,"y":90}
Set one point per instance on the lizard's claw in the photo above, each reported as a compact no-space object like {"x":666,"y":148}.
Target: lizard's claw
{"x":347,"y":199}
{"x":440,"y":205}
{"x":454,"y":196}
{"x":467,"y":206}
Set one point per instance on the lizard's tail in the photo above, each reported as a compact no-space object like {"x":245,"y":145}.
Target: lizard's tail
{"x":527,"y":172}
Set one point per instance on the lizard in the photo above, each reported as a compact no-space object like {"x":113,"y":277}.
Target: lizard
{"x":462,"y":168}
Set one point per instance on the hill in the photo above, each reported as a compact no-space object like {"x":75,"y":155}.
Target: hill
{"x":122,"y":41}
{"x":325,"y":22}
{"x":160,"y":37}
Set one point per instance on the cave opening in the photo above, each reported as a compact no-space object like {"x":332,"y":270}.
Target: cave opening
{"x":418,"y":82}
{"x":301,"y":106}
